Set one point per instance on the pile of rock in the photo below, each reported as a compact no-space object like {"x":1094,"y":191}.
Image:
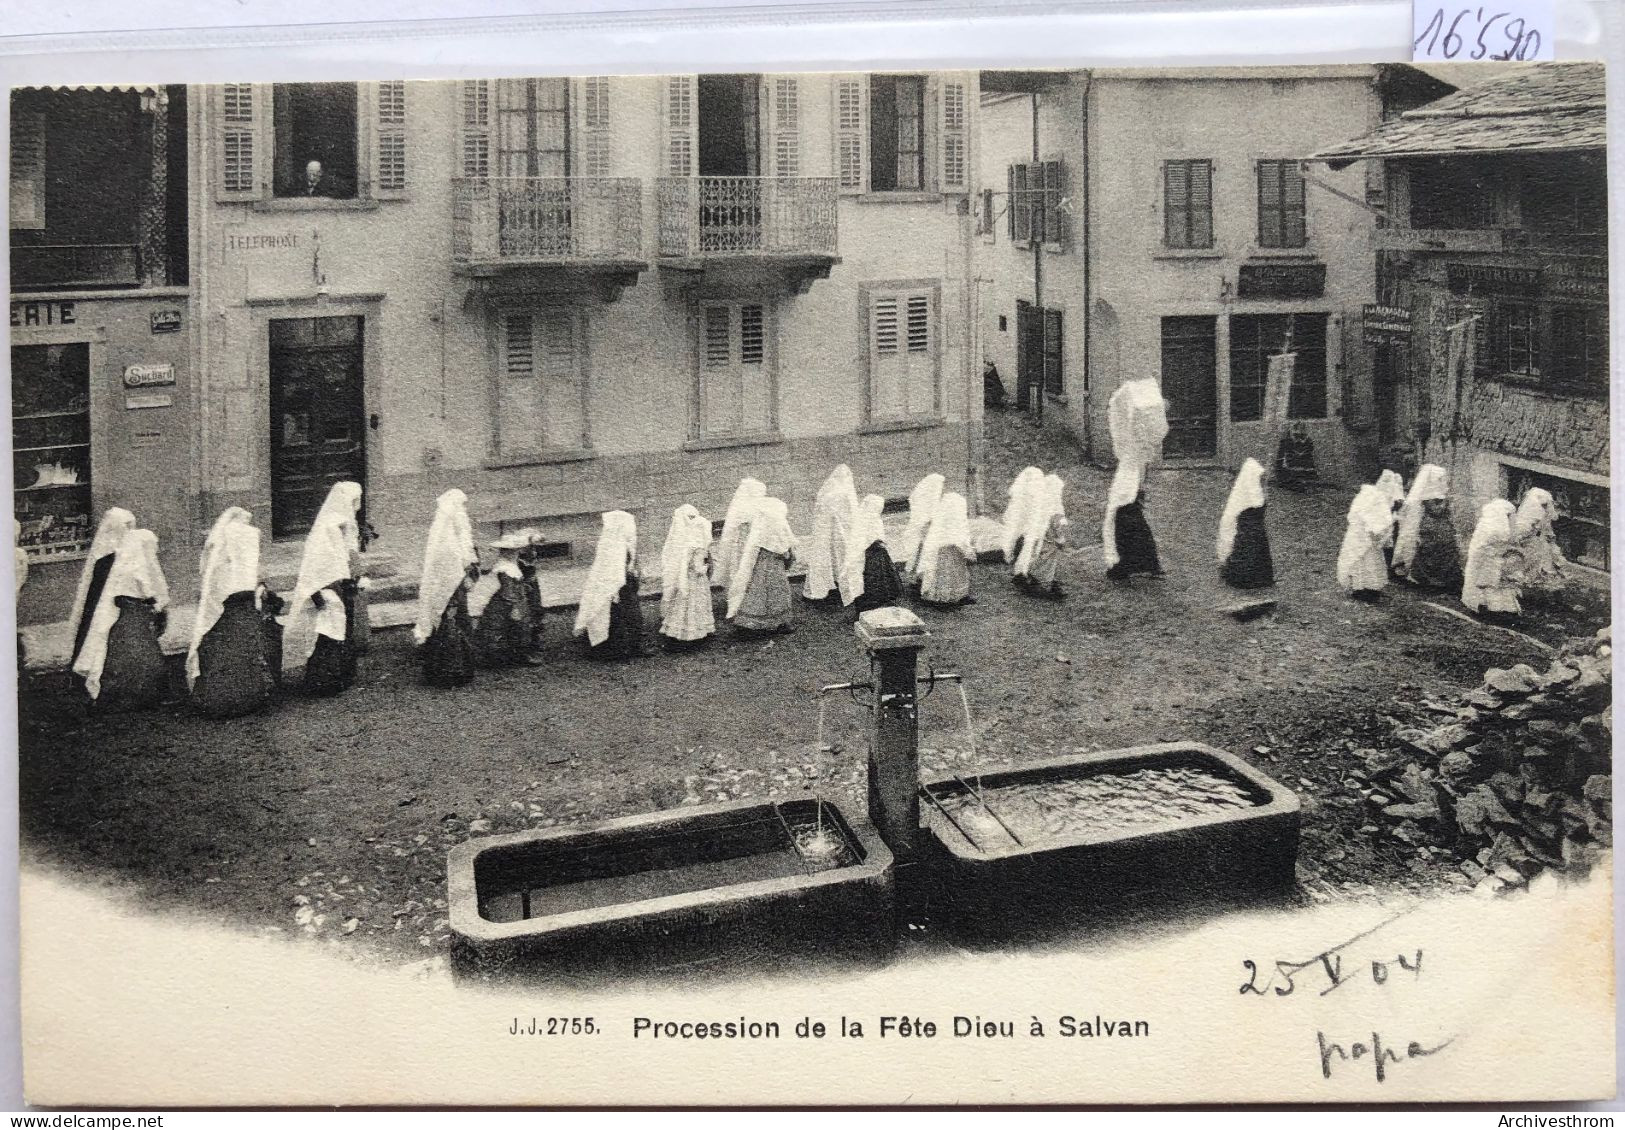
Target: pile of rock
{"x":1515,"y":778}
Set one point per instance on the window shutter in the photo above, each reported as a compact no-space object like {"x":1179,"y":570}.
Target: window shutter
{"x":1021,"y":203}
{"x":784,"y":109}
{"x":953,"y":134}
{"x":1053,"y":382}
{"x":680,"y":120}
{"x":563,"y":406}
{"x":592,"y":97}
{"x":1201,"y":179}
{"x":852,"y":133}
{"x":475,"y":134}
{"x":1293,"y":219}
{"x":240,"y":154}
{"x":1270,"y":200}
{"x":1054,"y":225}
{"x":1176,"y":203}
{"x":389,"y":140}
{"x":519,"y":352}
{"x":902,"y":355}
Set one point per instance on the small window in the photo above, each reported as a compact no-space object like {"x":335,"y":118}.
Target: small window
{"x":1583,"y":517}
{"x":542,"y":396}
{"x":1187,"y":201}
{"x":1580,"y":347}
{"x":315,"y":148}
{"x":897,"y":133}
{"x":1280,"y":204}
{"x":734,"y":391}
{"x":1514,"y":339}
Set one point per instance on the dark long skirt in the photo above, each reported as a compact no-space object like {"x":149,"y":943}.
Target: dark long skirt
{"x":360,"y":622}
{"x":331,"y":668}
{"x":1136,"y":548}
{"x":533,"y":594}
{"x":448,"y":653}
{"x":881,"y":585}
{"x":503,"y":635}
{"x":1249,"y":565}
{"x":93,"y":597}
{"x":271,"y":606}
{"x":625,"y":639}
{"x":233,"y":678}
{"x":133,"y":676}
{"x":1437,"y":563}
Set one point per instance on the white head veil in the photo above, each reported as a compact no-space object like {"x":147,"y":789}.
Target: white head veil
{"x":950,"y":528}
{"x":231,"y":564}
{"x":333,"y":537}
{"x":115,"y":524}
{"x":922,"y":510}
{"x":867,"y":528}
{"x":769,"y":531}
{"x":617,"y":550}
{"x":1045,"y":506}
{"x":1137,"y":417}
{"x":1246,"y":494}
{"x":1486,"y":553}
{"x":732,"y":539}
{"x":135,"y":572}
{"x":446,"y":558}
{"x":1391,"y":485}
{"x":1536,"y":513}
{"x":832,"y":519}
{"x":689,"y":531}
{"x":1432,"y":481}
{"x":1370,"y":518}
{"x":1015,"y":511}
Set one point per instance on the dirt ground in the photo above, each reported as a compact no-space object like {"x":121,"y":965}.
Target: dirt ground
{"x":332,"y":818}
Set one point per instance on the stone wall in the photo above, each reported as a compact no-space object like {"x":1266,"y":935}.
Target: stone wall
{"x":1568,"y":430}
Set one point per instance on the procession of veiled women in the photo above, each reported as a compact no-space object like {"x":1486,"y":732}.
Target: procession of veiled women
{"x":485,"y":608}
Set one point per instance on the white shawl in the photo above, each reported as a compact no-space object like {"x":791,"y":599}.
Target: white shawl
{"x":1046,"y":505}
{"x":1015,"y":510}
{"x":617,"y":551}
{"x":1246,"y":494}
{"x":115,"y":524}
{"x":769,"y":531}
{"x":1485,"y":572}
{"x":867,"y":528}
{"x":333,"y":538}
{"x":922,"y":510}
{"x":231,"y":564}
{"x":1370,"y":519}
{"x":1393,"y":487}
{"x":690,"y":531}
{"x":135,"y":572}
{"x":1432,"y":481}
{"x":950,"y":529}
{"x":1137,"y":417}
{"x":1535,"y":515}
{"x":446,"y":558}
{"x":832,"y":520}
{"x":732,"y":539}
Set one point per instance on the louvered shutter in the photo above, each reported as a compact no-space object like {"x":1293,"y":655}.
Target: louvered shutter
{"x":1201,"y":204}
{"x":1053,"y":174}
{"x":1053,"y":374}
{"x":563,"y":397}
{"x":680,"y":120}
{"x":591,"y":95}
{"x":1176,"y":204}
{"x":1021,"y":204}
{"x":783,"y":101}
{"x":1270,"y":200}
{"x":735,"y":393}
{"x":474,"y":147}
{"x":953,"y":133}
{"x":852,"y":133}
{"x":241,"y":154}
{"x":389,"y":159}
{"x":1293,"y":219}
{"x":902,"y":355}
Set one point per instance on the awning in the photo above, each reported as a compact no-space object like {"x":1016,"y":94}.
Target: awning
{"x":118,"y":87}
{"x":1548,"y":108}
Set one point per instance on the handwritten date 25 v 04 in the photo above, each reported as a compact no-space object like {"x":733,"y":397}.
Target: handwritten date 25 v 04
{"x":1501,"y":31}
{"x":1325,"y":970}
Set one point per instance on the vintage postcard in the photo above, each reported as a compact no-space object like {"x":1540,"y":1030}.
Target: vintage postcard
{"x":1064,"y":586}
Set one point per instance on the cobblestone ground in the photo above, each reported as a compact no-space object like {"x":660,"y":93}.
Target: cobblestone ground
{"x":332,"y":818}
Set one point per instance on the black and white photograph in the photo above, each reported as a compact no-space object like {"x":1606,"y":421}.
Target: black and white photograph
{"x":990,"y":585}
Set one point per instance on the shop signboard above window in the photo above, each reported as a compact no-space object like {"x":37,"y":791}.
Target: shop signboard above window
{"x":1281,"y":280}
{"x":1483,"y":278}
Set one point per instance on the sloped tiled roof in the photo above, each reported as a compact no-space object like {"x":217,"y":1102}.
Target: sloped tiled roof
{"x":1541,"y":107}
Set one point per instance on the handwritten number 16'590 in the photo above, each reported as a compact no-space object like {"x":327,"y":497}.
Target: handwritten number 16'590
{"x":1445,"y":37}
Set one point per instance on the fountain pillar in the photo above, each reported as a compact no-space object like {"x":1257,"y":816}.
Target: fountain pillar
{"x":893,"y":637}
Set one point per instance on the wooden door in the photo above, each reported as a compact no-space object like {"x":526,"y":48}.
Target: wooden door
{"x":318,"y":418}
{"x":1190,"y":385}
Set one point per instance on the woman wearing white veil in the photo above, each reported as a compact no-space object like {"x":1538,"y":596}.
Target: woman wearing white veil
{"x":611,"y":612}
{"x":1243,"y":545}
{"x":923,"y":501}
{"x":1393,"y":488}
{"x":1021,"y":493}
{"x":869,"y":575}
{"x":735,"y":529}
{"x":1038,"y":565}
{"x":318,"y":633}
{"x":98,"y":562}
{"x":825,"y":550}
{"x":122,"y":661}
{"x":1426,"y":551}
{"x":1487,"y":584}
{"x":759,"y":593}
{"x":946,"y":554}
{"x":1542,"y":565}
{"x":686,"y":615}
{"x":1361,"y":571}
{"x":444,"y":630}
{"x":1138,"y":419}
{"x":226,"y":668}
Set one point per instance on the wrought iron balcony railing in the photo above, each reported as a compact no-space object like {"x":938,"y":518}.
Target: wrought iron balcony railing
{"x":519,"y":220}
{"x":747,"y":216}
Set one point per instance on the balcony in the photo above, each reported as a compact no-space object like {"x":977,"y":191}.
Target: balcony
{"x":549,"y":230}
{"x":75,"y":265}
{"x":783,"y":225}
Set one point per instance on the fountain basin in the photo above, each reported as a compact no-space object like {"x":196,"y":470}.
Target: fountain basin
{"x":1098,"y":829}
{"x":671,"y":888}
